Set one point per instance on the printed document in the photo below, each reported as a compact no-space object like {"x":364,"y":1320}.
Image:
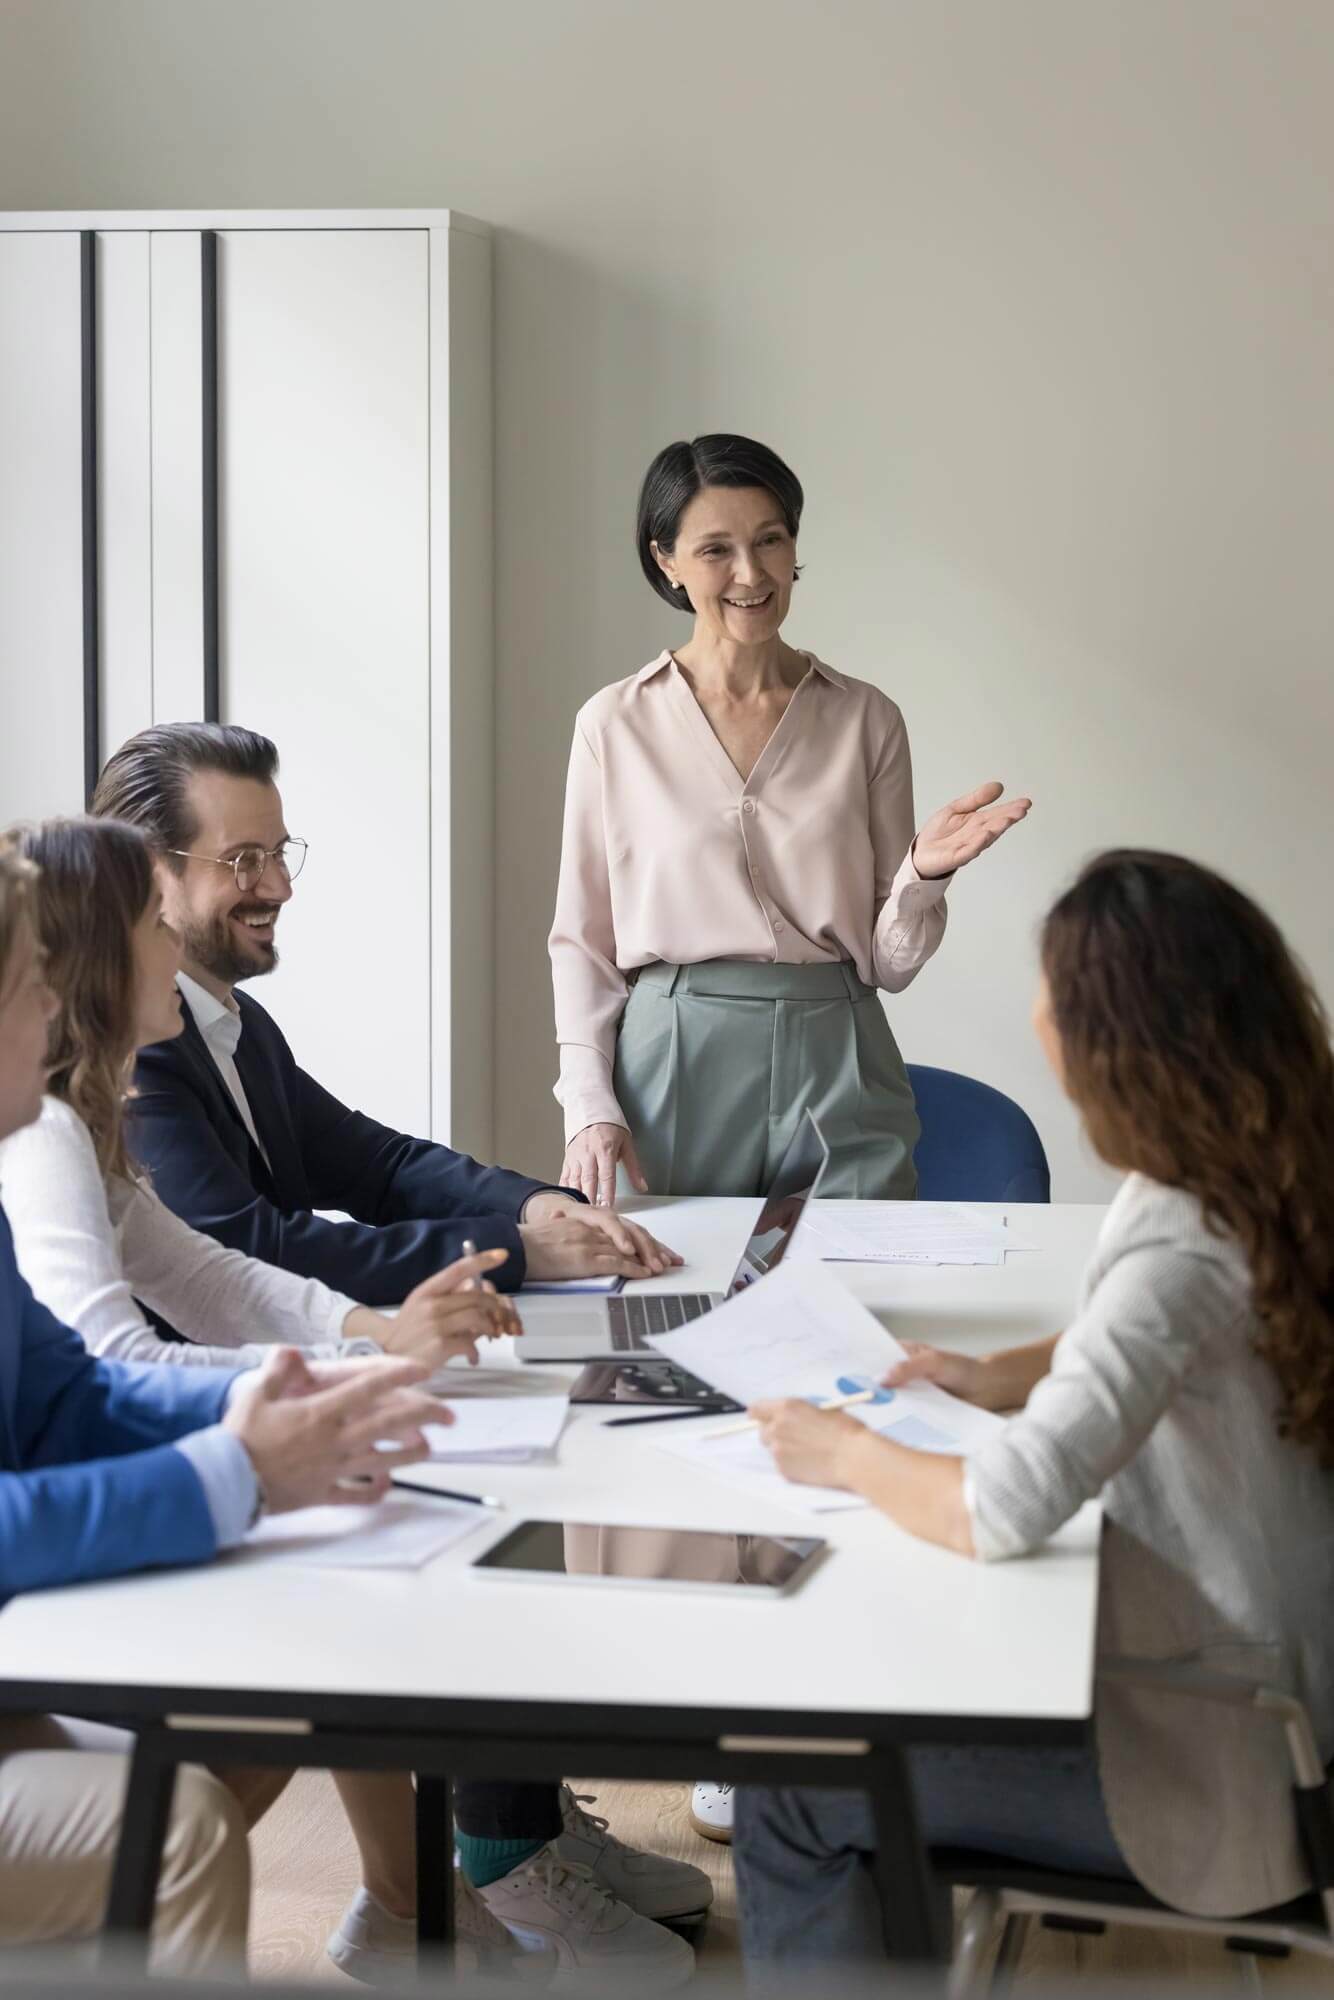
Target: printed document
{"x":399,"y":1533}
{"x":505,"y":1429}
{"x":799,"y":1332}
{"x":901,"y":1232}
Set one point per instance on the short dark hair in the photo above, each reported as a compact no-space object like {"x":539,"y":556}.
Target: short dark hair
{"x":682,"y":470}
{"x":146,"y":780}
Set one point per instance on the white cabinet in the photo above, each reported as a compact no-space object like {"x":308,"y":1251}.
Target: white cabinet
{"x":292,"y":447}
{"x":41,"y":507}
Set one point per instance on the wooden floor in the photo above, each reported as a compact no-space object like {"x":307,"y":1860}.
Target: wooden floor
{"x":306,"y":1869}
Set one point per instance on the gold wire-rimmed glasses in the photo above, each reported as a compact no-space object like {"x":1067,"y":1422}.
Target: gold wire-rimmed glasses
{"x":249,"y":863}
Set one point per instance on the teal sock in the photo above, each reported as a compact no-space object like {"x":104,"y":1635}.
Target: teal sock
{"x":485,"y":1861}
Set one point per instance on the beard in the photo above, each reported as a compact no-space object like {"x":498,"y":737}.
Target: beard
{"x":214,"y":946}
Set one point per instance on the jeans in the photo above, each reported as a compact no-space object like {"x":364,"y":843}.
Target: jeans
{"x":804,"y":1858}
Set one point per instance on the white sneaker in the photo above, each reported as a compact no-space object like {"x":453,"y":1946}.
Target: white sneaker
{"x":711,"y":1811}
{"x":597,"y":1938}
{"x":380,"y":1949}
{"x":651,"y":1884}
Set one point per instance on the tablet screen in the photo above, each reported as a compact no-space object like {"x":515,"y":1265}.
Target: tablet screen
{"x":652,"y":1381}
{"x":602,"y":1552}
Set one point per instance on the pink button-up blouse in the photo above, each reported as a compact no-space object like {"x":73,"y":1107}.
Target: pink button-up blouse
{"x":668,"y":855}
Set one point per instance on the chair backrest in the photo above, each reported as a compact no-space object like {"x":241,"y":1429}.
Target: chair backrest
{"x":977,"y":1144}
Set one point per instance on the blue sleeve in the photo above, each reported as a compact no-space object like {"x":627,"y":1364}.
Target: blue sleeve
{"x":90,"y":1481}
{"x":70,"y":1522}
{"x":69,"y":1406}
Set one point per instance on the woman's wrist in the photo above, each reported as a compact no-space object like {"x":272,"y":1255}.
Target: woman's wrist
{"x":1011,"y":1376}
{"x":857,"y":1457}
{"x":364,"y":1323}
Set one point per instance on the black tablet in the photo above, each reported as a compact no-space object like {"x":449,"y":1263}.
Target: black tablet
{"x":646,"y":1558}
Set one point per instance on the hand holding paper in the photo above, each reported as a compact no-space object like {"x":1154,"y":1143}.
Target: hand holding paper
{"x":798,"y":1335}
{"x":807,"y":1444}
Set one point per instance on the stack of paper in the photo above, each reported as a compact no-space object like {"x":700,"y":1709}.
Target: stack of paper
{"x":399,"y":1533}
{"x":798,"y":1332}
{"x":901,"y":1232}
{"x":501,"y":1429}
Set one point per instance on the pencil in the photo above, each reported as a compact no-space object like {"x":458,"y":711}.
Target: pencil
{"x":751,"y":1423}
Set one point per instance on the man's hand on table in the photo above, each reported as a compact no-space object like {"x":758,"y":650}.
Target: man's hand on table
{"x":566,"y":1239}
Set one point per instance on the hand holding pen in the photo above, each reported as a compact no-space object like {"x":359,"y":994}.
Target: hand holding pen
{"x":506,"y":1314}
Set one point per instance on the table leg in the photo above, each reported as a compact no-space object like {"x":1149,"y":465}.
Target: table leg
{"x":435,"y":1865}
{"x":143,"y":1833}
{"x":912,"y":1909}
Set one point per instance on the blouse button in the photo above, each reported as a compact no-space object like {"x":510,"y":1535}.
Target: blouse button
{"x":779,"y":925}
{"x":748,"y":805}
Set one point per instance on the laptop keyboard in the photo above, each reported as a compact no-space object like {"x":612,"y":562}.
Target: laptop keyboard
{"x":633,"y":1319}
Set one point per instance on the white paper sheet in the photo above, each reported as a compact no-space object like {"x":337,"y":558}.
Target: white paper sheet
{"x":742,"y":1461}
{"x":908,"y":1232}
{"x":799,"y":1332}
{"x":401,"y":1533}
{"x":504,"y":1428}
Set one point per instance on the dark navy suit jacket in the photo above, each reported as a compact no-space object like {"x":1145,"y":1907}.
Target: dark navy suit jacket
{"x":89,"y":1482}
{"x":413,"y":1202}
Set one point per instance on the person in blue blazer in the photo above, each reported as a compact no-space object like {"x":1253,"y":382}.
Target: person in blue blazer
{"x":240,"y":1140}
{"x":106,"y":1468}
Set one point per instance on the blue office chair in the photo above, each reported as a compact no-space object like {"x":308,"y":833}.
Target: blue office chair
{"x":976,"y":1144}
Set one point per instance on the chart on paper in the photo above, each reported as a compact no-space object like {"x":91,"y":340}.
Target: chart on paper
{"x":798,"y":1332}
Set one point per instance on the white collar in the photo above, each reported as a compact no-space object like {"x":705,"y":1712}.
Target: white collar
{"x":217,"y":1020}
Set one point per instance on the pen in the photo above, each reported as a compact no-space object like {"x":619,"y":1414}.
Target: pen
{"x":470,"y":1250}
{"x":659,"y":1417}
{"x":751,"y":1423}
{"x":446,"y":1493}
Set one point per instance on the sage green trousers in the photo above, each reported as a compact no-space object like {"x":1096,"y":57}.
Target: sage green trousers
{"x":716,"y":1063}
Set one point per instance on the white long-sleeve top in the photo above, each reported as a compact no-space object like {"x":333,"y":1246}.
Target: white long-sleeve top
{"x":90,"y":1250}
{"x":670,"y":855}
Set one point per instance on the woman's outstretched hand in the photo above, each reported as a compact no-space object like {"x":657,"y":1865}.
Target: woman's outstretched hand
{"x":591,"y":1159}
{"x":963,"y":829}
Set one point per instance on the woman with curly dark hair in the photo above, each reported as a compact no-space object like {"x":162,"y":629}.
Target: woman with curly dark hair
{"x":1193,"y":1392}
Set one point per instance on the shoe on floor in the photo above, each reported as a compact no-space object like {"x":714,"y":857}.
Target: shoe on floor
{"x":711,"y":1811}
{"x":596,"y":1937}
{"x":653,"y":1886}
{"x":380,"y":1949}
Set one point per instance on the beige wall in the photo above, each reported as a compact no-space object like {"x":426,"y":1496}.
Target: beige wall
{"x":1036,"y":295}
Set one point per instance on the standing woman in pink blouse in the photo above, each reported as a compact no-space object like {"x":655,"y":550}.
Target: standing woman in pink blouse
{"x":739,"y":873}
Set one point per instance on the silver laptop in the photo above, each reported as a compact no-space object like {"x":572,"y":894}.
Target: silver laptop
{"x":594,"y":1329}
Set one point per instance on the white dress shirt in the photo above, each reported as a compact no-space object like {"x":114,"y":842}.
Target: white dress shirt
{"x":219,"y":1022}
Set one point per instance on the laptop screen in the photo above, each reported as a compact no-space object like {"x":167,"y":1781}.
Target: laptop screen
{"x":795,"y":1181}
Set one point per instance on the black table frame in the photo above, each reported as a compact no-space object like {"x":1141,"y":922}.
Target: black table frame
{"x":440,"y":1739}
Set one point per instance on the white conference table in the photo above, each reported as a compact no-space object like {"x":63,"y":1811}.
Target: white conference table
{"x":890,"y":1642}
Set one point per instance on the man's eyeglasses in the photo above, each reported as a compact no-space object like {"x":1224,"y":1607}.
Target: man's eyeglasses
{"x":248,"y":865}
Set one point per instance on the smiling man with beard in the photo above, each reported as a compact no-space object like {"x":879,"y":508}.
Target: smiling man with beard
{"x":243,"y":1143}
